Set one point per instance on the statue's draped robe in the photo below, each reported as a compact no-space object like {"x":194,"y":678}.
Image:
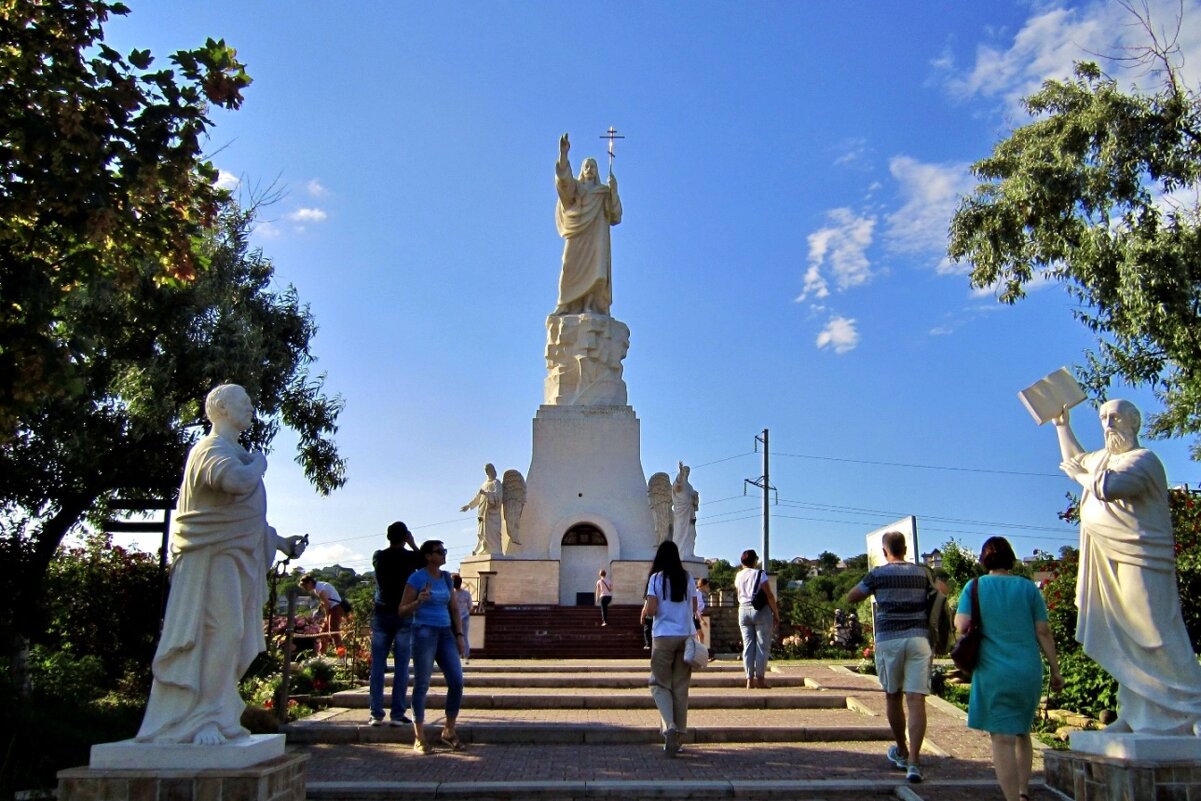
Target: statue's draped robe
{"x":1126,"y":593}
{"x":583,"y":216}
{"x":488,"y":501}
{"x":221,"y":548}
{"x":684,"y":502}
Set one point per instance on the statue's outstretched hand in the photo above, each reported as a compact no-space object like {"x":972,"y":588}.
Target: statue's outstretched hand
{"x":612,"y":181}
{"x":464,"y":508}
{"x":1063,"y":418}
{"x":296,"y":546}
{"x":564,"y":145}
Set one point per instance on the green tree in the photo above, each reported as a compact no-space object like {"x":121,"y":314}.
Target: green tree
{"x":101,"y":178}
{"x":827,"y":563}
{"x":157,"y":350}
{"x":721,"y":575}
{"x":960,"y":565}
{"x":1084,"y":195}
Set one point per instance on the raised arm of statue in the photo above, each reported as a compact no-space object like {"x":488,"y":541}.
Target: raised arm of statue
{"x":240,"y":478}
{"x":1070,"y":449}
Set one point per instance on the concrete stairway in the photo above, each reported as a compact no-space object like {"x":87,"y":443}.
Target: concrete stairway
{"x":561,"y":632}
{"x":580,"y":730}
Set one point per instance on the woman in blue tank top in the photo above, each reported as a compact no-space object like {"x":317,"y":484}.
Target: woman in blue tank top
{"x":436,"y":638}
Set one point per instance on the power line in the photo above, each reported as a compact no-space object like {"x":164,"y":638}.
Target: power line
{"x":890,"y":513}
{"x":726,"y":459}
{"x":920,"y":466}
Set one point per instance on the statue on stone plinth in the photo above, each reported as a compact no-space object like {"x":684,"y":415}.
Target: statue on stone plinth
{"x":488,"y":502}
{"x":221,"y":549}
{"x":685,"y":501}
{"x":658,"y":491}
{"x":585,"y":210}
{"x":513,"y":500}
{"x":1129,"y":605}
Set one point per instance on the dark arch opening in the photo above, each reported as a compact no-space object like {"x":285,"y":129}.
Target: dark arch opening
{"x":584,"y":534}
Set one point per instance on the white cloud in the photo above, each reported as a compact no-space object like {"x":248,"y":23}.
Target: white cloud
{"x":267,"y":230}
{"x":853,"y":152}
{"x":316,"y":188}
{"x":318,"y":556}
{"x":1053,"y":39}
{"x":307,"y":215}
{"x":942,"y":331}
{"x":930,"y":193}
{"x":841,"y":250}
{"x":840,"y":334}
{"x":227,"y":180}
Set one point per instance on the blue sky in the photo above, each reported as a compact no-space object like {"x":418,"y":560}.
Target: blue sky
{"x":787,"y":177}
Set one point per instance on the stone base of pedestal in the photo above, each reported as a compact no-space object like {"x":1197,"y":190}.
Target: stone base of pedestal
{"x":279,"y":779}
{"x":1096,"y":777}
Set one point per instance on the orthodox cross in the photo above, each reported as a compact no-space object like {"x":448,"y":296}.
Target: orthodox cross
{"x":611,"y":134}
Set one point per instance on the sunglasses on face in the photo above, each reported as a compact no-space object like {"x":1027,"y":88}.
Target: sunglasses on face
{"x":439,"y":550}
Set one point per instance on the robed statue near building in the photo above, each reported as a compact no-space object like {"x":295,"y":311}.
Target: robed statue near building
{"x":585,"y":210}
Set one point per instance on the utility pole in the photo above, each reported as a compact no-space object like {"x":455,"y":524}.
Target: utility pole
{"x":764,"y":483}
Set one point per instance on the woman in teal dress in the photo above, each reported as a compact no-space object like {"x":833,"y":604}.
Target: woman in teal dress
{"x":1008,"y":680}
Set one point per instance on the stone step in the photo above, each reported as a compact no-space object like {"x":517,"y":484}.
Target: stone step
{"x":616,"y":789}
{"x":640,"y":698}
{"x":516,"y":732}
{"x":613,"y":680}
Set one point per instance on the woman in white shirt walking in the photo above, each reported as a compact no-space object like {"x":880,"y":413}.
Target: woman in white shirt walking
{"x":757,"y":625}
{"x":671,"y":599}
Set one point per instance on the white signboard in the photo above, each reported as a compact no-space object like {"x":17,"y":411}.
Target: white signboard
{"x":875,"y":541}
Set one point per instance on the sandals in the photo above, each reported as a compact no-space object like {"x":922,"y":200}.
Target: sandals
{"x":452,"y":741}
{"x":422,"y":747}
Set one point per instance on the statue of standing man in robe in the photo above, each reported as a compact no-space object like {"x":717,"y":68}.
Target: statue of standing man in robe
{"x":685,"y":501}
{"x":489,"y":503}
{"x":1130,"y":619}
{"x":221,"y":550}
{"x":585,"y":210}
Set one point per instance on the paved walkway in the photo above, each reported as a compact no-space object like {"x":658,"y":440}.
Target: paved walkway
{"x":956,"y":760}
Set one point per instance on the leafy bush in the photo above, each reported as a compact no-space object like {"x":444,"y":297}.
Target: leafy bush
{"x":1088,"y":689}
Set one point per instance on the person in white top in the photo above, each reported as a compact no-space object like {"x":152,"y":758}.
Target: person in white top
{"x":604,"y":596}
{"x":702,"y":589}
{"x":331,"y":606}
{"x":756,"y":624}
{"x":671,"y":599}
{"x":463,"y":601}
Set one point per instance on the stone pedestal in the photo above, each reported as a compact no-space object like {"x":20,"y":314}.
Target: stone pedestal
{"x":278,"y":779}
{"x":1125,"y":767}
{"x":509,"y":581}
{"x":629,"y":578}
{"x":586,"y":468}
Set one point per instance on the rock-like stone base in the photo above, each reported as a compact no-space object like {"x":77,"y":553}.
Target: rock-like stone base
{"x":279,"y":779}
{"x":240,"y":753}
{"x":1094,"y":777}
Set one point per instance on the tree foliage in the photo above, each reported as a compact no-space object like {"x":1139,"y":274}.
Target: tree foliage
{"x":1099,"y":193}
{"x":101,"y":178}
{"x":156,"y":351}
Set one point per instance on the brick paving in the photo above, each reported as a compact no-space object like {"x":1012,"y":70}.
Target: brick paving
{"x":956,"y":760}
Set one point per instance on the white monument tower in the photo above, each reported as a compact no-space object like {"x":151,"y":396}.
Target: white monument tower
{"x":585,"y":504}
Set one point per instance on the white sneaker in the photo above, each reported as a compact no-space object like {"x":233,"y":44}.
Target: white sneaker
{"x":375,"y":721}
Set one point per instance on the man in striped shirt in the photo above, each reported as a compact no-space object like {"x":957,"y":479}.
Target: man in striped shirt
{"x":903,"y":657}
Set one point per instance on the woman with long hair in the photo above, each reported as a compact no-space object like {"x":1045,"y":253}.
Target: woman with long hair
{"x":671,"y":600}
{"x":430,"y":598}
{"x":1008,"y":680}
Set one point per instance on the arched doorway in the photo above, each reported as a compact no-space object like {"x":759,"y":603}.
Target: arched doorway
{"x":584,"y":551}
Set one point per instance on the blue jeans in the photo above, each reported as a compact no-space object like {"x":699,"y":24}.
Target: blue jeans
{"x":756,"y":625}
{"x":436,"y":644}
{"x":390,"y":633}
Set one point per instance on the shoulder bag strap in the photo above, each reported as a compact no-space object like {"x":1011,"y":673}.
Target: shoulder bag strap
{"x":977,"y":619}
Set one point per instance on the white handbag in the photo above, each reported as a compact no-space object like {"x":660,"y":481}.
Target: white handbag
{"x":696,"y":653}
